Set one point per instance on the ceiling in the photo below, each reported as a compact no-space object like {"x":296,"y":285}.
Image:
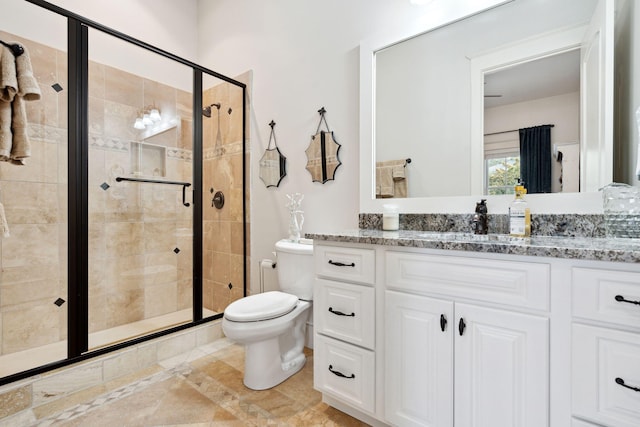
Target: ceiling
{"x":540,"y":78}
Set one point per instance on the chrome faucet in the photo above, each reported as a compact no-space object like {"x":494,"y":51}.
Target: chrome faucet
{"x":480,"y":220}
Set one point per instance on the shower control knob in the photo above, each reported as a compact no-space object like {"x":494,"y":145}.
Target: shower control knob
{"x":218,"y":200}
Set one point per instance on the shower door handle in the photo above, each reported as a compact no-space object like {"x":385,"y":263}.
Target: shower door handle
{"x":184,"y":196}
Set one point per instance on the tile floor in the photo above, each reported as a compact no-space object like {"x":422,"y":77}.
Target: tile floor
{"x":206,"y":391}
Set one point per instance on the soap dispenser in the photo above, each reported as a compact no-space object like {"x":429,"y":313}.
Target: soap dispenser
{"x":519,"y":213}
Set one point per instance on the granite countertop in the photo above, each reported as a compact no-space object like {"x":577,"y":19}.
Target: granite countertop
{"x":587,"y":248}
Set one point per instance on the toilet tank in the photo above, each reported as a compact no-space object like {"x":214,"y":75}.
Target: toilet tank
{"x":295,"y":267}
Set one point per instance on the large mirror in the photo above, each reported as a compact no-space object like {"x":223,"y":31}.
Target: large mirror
{"x":454,"y":98}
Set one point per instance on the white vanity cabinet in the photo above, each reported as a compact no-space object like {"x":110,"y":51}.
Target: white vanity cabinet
{"x":606,"y":346}
{"x":344,"y":323}
{"x":500,"y":356}
{"x":410,"y":336}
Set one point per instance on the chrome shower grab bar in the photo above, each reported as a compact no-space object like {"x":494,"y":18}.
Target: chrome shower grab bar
{"x":157,"y":181}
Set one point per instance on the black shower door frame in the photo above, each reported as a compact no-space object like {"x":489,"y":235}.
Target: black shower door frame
{"x":78,"y":171}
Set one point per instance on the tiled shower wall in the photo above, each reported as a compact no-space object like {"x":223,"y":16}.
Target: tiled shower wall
{"x":33,"y":258}
{"x":140,"y":234}
{"x":222,"y":171}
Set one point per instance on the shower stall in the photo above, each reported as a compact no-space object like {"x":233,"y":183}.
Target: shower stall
{"x":128,"y":220}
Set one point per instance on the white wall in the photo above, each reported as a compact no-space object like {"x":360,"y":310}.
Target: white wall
{"x":166,"y":24}
{"x":304,"y":56}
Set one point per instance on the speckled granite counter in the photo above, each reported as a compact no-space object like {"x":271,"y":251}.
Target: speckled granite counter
{"x":587,"y":248}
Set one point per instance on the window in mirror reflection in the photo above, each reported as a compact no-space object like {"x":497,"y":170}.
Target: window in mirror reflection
{"x":502,"y":173}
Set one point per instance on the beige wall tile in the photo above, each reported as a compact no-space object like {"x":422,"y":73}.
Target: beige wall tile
{"x":31,"y":245}
{"x":185,"y":291}
{"x":160,"y":236}
{"x":124,"y":238}
{"x":160,"y":267}
{"x":124,"y":88}
{"x":119,"y":119}
{"x":29,"y":327}
{"x":125,"y":273}
{"x":124,"y":307}
{"x":38,"y":167}
{"x":31,"y":203}
{"x":160,"y":299}
{"x":96,"y":80}
{"x":236,"y":243}
{"x":33,"y":290}
{"x":96,"y":115}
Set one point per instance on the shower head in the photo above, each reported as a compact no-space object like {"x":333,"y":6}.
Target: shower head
{"x":206,"y":111}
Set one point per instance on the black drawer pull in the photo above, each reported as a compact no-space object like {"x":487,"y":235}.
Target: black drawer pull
{"x":340,"y":374}
{"x":339,"y":313}
{"x":461,"y":326}
{"x":443,"y":322}
{"x":620,"y":298}
{"x":341,"y":264}
{"x":621,"y":382}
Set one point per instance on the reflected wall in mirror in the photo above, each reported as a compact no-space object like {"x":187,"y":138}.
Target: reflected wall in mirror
{"x":427,"y":107}
{"x":322,"y":153}
{"x":322,"y":157}
{"x":273,"y":165}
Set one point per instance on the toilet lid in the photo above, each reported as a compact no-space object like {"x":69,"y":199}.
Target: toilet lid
{"x":267,"y":305}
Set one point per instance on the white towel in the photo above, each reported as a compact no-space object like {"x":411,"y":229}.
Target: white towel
{"x":4,"y":227}
{"x":17,"y":84}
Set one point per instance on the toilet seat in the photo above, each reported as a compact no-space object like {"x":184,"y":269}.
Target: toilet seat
{"x":265,"y":306}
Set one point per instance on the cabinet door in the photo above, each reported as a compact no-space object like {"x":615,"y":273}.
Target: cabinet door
{"x":419,"y":361}
{"x":501,"y":368}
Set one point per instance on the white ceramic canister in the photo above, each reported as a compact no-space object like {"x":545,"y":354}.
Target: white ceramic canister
{"x":390,"y":218}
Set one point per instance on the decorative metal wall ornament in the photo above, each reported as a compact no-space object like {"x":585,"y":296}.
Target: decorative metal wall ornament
{"x":273,"y":165}
{"x":322,"y":153}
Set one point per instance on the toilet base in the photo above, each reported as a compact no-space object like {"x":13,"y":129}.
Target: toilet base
{"x":263,"y":367}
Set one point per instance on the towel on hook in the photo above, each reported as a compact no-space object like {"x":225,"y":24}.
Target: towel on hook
{"x":391,"y":179}
{"x":17,"y":84}
{"x":384,"y":181}
{"x":8,"y":75}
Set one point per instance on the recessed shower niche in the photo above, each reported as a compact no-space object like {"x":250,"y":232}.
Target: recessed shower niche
{"x":148,"y":159}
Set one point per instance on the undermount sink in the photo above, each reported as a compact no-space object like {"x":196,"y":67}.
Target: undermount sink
{"x":468,"y":237}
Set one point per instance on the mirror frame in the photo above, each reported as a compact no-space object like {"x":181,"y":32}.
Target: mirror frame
{"x":442,"y":13}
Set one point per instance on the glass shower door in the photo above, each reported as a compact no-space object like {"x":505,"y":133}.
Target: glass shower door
{"x":140,"y":186}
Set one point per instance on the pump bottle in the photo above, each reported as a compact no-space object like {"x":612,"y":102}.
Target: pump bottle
{"x":519,"y":213}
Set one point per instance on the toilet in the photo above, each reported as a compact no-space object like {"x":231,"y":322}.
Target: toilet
{"x":272,"y":325}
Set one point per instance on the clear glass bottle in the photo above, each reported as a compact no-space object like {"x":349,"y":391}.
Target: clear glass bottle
{"x":519,"y":214}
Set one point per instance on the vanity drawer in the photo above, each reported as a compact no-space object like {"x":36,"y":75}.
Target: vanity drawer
{"x":595,"y":291}
{"x":600,"y":356}
{"x":345,"y":311}
{"x":344,"y":371}
{"x":506,"y":282}
{"x":350,"y":264}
